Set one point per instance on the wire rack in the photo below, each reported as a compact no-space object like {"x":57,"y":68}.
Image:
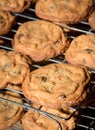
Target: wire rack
{"x":87,"y":116}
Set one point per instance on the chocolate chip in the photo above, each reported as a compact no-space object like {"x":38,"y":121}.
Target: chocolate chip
{"x":44,"y":78}
{"x":15,"y":72}
{"x":88,"y":50}
{"x":20,"y":35}
{"x":62,"y":96}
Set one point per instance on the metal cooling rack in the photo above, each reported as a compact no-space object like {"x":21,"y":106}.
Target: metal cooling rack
{"x":87,"y":116}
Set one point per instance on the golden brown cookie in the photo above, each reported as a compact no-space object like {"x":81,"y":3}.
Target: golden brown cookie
{"x":56,"y":85}
{"x":35,"y":121}
{"x":82,"y":51}
{"x":14,"y":5}
{"x":6,"y":22}
{"x":13,"y":67}
{"x":65,"y":11}
{"x":91,"y":20}
{"x":40,"y":40}
{"x":10,"y":113}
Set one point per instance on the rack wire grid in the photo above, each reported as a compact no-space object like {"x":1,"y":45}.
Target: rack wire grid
{"x":87,"y":116}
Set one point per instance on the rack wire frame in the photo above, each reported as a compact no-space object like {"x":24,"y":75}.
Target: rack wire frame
{"x":81,"y":28}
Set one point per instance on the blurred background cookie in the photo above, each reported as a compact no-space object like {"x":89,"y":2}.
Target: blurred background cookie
{"x":7,"y":20}
{"x":33,"y":120}
{"x":10,"y":113}
{"x":13,"y":67}
{"x":14,"y":5}
{"x":64,"y":11}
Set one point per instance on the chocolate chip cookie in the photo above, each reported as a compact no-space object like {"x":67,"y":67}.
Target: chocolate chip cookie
{"x":56,"y":85}
{"x":33,"y":120}
{"x":40,"y":40}
{"x":65,"y":11}
{"x":6,"y":22}
{"x":13,"y":67}
{"x":10,"y":113}
{"x":14,"y":5}
{"x":82,"y":51}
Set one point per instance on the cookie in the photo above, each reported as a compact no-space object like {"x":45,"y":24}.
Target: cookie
{"x":82,"y":51}
{"x":56,"y":85}
{"x":10,"y":113}
{"x":13,"y":67}
{"x":91,"y":20}
{"x":33,"y":120}
{"x":40,"y":40}
{"x":65,"y":11}
{"x":6,"y":22}
{"x":14,"y":5}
